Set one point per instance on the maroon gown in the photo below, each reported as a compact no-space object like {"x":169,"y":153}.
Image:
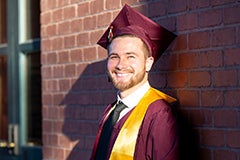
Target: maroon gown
{"x":157,"y":137}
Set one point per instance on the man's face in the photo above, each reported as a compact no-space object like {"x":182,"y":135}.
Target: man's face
{"x":127,"y":63}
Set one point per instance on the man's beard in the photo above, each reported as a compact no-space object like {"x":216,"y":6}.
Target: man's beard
{"x":124,"y":85}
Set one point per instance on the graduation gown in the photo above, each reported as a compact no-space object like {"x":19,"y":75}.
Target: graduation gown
{"x":157,"y":137}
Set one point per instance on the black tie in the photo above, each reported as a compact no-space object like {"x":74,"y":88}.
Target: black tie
{"x":107,"y":132}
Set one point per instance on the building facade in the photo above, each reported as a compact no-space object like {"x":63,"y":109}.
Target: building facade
{"x":54,"y":88}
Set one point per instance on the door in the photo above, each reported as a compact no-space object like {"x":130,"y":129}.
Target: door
{"x":20,"y":80}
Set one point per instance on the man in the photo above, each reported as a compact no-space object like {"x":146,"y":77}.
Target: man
{"x":146,"y":128}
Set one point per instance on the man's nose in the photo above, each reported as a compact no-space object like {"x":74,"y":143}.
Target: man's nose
{"x":122,"y":63}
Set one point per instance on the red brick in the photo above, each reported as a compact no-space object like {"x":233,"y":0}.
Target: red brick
{"x":104,"y":19}
{"x":44,"y":86}
{"x":169,"y":23}
{"x":52,"y":85}
{"x":231,"y":15}
{"x":83,"y":39}
{"x":201,"y":117}
{"x":76,"y":55}
{"x":70,"y":70}
{"x":53,"y":139}
{"x":129,"y":2}
{"x":199,"y":79}
{"x":232,"y":57}
{"x":238,"y":76}
{"x":238,"y":35}
{"x":96,"y":6}
{"x":233,"y":139}
{"x":224,"y":78}
{"x":57,"y":125}
{"x":112,"y":4}
{"x":80,"y":68}
{"x":224,"y":37}
{"x":57,"y":15}
{"x":213,"y":137}
{"x":177,"y":79}
{"x":142,"y":9}
{"x":48,"y":152}
{"x":58,"y":153}
{"x":195,"y":4}
{"x":157,"y":9}
{"x":225,"y":118}
{"x":52,"y":58}
{"x":221,"y":2}
{"x":199,"y":40}
{"x":101,"y":53}
{"x":83,"y":9}
{"x":70,"y":41}
{"x":232,"y":98}
{"x":187,"y":21}
{"x":158,"y":80}
{"x":210,"y":18}
{"x":58,"y":71}
{"x":89,"y":23}
{"x":177,"y":6}
{"x":47,"y":5}
{"x":180,"y":43}
{"x":64,"y":27}
{"x":57,"y":100}
{"x":43,"y":31}
{"x":63,"y":57}
{"x":46,"y":72}
{"x":166,"y":62}
{"x":89,"y":142}
{"x":94,"y":36}
{"x":47,"y":126}
{"x":69,"y":12}
{"x":220,"y":154}
{"x":76,"y":25}
{"x":46,"y":99}
{"x":45,"y":45}
{"x":43,"y":59}
{"x":57,"y":43}
{"x":89,"y":54}
{"x":211,"y":59}
{"x":211,"y":98}
{"x":188,"y":98}
{"x":64,"y":141}
{"x":51,"y":30}
{"x":188,"y":60}
{"x":63,"y":3}
{"x":91,"y":113}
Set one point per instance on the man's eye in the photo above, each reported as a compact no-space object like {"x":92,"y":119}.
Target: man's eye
{"x":113,"y":57}
{"x":131,"y":57}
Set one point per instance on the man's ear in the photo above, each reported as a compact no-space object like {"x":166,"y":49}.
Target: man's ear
{"x":149,"y":63}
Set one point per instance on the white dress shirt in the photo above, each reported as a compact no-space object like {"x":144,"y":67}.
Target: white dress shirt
{"x":132,"y":100}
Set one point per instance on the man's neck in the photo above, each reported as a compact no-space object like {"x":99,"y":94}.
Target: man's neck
{"x":129,"y":91}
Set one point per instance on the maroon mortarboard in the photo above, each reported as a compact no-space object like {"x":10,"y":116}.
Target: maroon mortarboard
{"x":130,"y":21}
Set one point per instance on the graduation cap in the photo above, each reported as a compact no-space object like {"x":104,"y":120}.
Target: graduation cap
{"x":132,"y":22}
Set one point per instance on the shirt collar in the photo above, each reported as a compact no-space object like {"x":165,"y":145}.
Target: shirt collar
{"x":133,"y":99}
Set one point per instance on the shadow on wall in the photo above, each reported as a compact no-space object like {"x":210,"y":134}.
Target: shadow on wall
{"x":188,"y":138}
{"x":85,"y":103}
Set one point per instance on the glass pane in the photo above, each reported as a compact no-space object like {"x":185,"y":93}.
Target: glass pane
{"x":34,"y":111}
{"x":3,"y":99}
{"x":31,"y":12}
{"x":3,"y":22}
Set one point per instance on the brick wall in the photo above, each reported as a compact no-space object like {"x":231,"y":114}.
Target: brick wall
{"x":201,"y":69}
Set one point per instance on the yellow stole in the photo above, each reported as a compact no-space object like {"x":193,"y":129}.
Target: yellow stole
{"x":124,"y":145}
